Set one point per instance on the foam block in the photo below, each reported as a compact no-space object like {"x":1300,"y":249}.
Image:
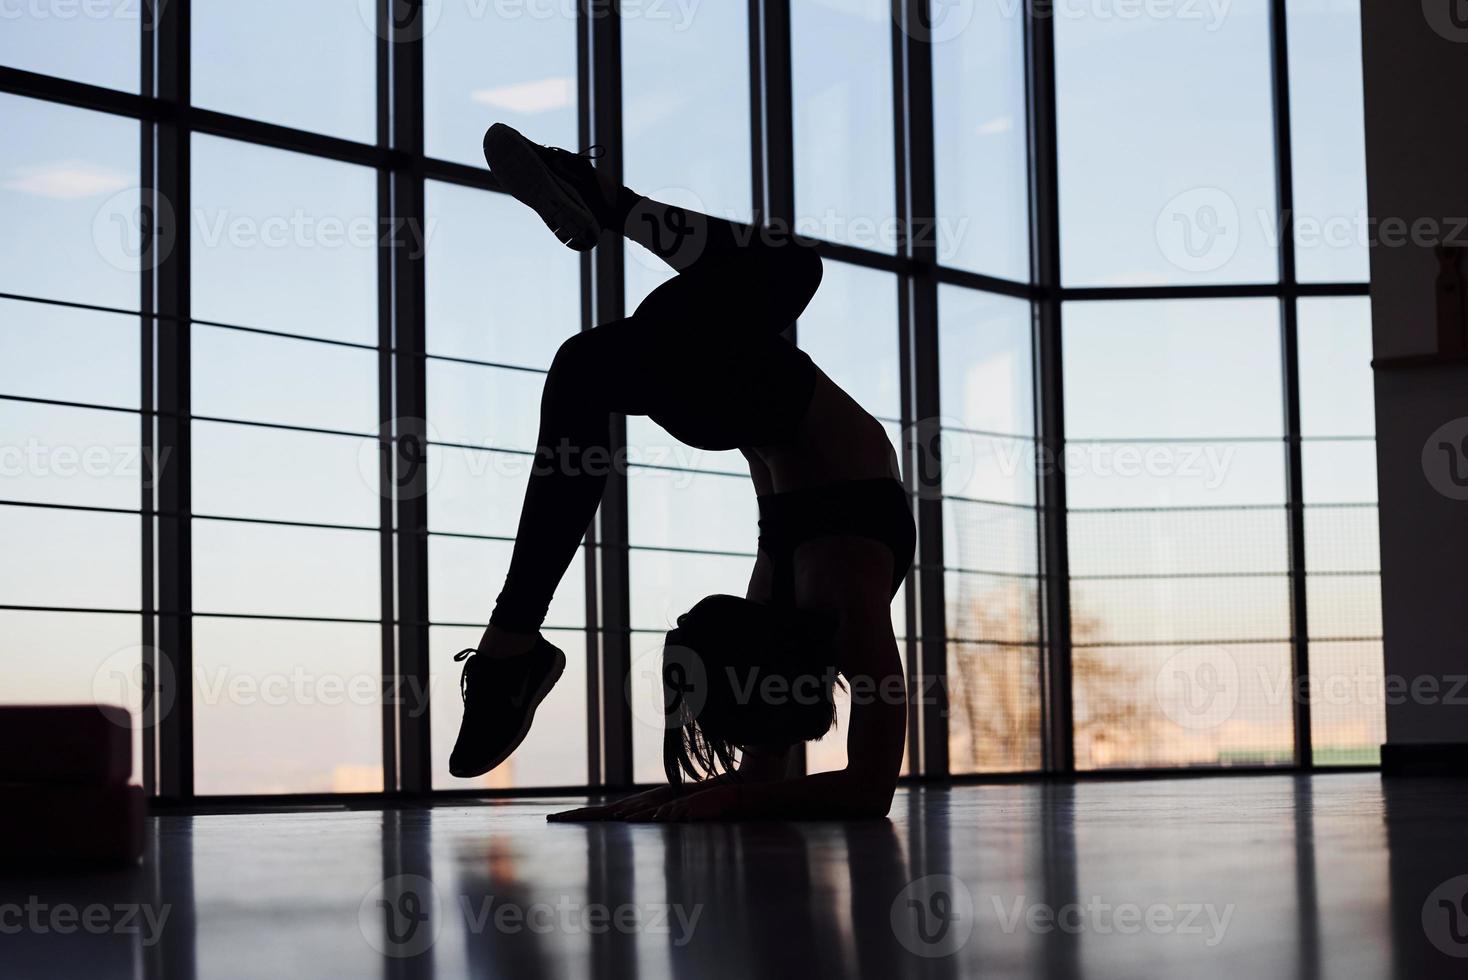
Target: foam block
{"x":56,"y":823}
{"x":74,"y":743}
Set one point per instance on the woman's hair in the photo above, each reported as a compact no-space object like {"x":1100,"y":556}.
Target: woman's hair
{"x":738,"y":673}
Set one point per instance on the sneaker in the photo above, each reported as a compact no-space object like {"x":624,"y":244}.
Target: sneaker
{"x":556,"y":184}
{"x":500,"y":697}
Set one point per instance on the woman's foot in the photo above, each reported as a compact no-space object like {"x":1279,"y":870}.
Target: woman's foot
{"x":500,"y":698}
{"x":560,"y":186}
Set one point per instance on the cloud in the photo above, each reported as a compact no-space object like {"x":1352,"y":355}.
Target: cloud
{"x":66,"y":181}
{"x":1000,"y":124}
{"x":530,"y":97}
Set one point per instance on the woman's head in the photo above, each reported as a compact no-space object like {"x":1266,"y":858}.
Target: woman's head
{"x":737,"y":674}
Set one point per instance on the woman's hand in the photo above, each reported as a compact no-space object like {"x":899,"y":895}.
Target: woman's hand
{"x":618,"y":810}
{"x":719,"y":803}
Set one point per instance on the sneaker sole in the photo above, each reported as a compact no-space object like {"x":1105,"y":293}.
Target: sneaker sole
{"x":521,"y":172}
{"x":534,"y":704}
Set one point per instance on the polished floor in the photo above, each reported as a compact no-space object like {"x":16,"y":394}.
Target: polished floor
{"x":1238,"y":877}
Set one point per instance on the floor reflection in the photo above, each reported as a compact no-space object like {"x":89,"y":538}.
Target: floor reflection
{"x":1323,"y":877}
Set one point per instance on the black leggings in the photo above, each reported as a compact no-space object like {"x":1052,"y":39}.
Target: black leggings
{"x":702,"y":355}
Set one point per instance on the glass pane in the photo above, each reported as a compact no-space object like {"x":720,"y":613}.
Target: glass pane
{"x":991,"y":608}
{"x":239,"y":375}
{"x":1179,"y":542}
{"x":476,"y":492}
{"x":271,"y":474}
{"x":1141,"y":473}
{"x":1337,"y":397}
{"x":646,"y":701}
{"x":260,"y":569}
{"x":69,"y":192}
{"x":665,"y":585}
{"x":94,"y":41}
{"x":1174,"y":368}
{"x":841,"y":77}
{"x":500,"y":287}
{"x":89,"y":658}
{"x":305,"y":65}
{"x":1167,"y":165}
{"x":287,"y":707}
{"x":284,"y":241}
{"x":651,"y":445}
{"x":76,"y":456}
{"x":488,"y":408}
{"x":994,"y":708}
{"x":672,"y":509}
{"x":72,"y":558}
{"x":1328,"y":139}
{"x":1347,"y":703}
{"x":1181,"y":610}
{"x":985,"y":360}
{"x":1227,"y":705}
{"x":850,"y":330}
{"x":69,"y":355}
{"x":497,"y":62}
{"x":553,"y":754}
{"x":1344,"y":607}
{"x":981,"y":467}
{"x":982,"y":537}
{"x":690,"y":137}
{"x":981,"y":146}
{"x":465,"y":575}
{"x":1339,"y":472}
{"x":1341,"y":539}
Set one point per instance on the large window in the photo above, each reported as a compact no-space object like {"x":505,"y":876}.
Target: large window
{"x":270,"y":370}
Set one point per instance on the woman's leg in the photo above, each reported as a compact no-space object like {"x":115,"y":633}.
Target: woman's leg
{"x":730,"y":283}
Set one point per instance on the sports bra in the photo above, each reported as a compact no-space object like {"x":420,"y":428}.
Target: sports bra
{"x":876,"y":509}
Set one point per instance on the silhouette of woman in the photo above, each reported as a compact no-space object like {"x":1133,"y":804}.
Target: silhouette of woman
{"x":748,"y":678}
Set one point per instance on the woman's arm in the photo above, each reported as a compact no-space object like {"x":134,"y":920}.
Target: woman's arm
{"x":850,"y":577}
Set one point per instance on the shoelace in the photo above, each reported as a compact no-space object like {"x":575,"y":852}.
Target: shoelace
{"x":464,"y":655}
